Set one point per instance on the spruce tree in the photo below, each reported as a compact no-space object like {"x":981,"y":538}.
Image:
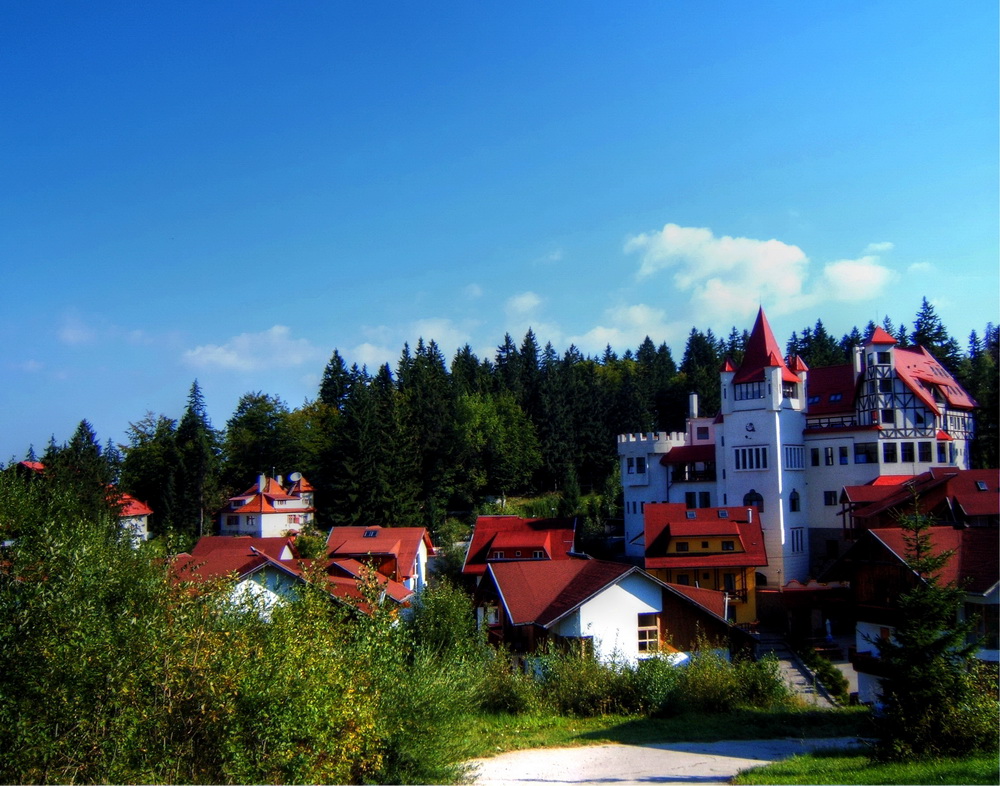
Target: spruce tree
{"x":198,"y":476}
{"x":930,"y":707}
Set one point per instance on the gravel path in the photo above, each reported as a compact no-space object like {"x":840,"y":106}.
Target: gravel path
{"x":669,"y":762}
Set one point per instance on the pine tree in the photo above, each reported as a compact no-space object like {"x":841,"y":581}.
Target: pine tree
{"x":333,"y":387}
{"x":198,"y":476}
{"x":151,"y":468}
{"x":929,"y":704}
{"x":929,"y":332}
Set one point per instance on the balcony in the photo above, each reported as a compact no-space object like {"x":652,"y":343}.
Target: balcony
{"x":685,"y":474}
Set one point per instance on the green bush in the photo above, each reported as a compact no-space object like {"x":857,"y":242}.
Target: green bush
{"x":505,"y":688}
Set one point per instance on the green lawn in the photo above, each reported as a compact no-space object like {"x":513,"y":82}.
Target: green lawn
{"x":849,"y":768}
{"x":494,"y":734}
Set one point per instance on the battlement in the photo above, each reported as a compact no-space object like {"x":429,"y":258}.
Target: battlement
{"x":652,"y":442}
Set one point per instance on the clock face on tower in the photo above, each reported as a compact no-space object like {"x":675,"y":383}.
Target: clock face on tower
{"x":750,"y":427}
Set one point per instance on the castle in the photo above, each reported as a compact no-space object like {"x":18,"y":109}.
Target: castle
{"x":788,"y":439}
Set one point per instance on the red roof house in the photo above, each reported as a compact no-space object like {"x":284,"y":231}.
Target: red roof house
{"x":508,"y":538}
{"x":399,"y":553}
{"x":616,"y":611}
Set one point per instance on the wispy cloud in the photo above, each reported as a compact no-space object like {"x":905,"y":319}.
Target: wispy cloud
{"x":879,"y":248}
{"x":726,"y":278}
{"x":271,"y":349}
{"x":628,"y":326}
{"x":724,"y":275}
{"x":522,"y":305}
{"x":74,"y":331}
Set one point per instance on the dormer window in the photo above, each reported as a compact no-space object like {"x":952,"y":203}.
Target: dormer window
{"x":691,"y":514}
{"x":981,"y":485}
{"x":723,"y":514}
{"x":370,"y":533}
{"x":682,"y":546}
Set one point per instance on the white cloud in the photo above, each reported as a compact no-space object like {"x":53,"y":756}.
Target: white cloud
{"x":628,"y":326}
{"x":921,"y":267}
{"x":878,"y":248}
{"x":30,"y":366}
{"x":271,"y":349}
{"x":75,"y":331}
{"x":522,"y":305}
{"x":473,"y":291}
{"x":373,"y":356}
{"x":725,"y":276}
{"x":852,"y":280}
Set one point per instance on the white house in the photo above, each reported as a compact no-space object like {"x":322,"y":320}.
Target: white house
{"x":616,"y":611}
{"x":269,"y":508}
{"x":789,"y":438}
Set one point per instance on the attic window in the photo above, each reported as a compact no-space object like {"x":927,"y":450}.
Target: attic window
{"x":814,"y":399}
{"x":371,"y":533}
{"x":691,"y":514}
{"x":836,"y":396}
{"x":981,"y":485}
{"x":723,"y":514}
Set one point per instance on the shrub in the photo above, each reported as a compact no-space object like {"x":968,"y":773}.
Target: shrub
{"x":504,"y":688}
{"x":576,"y":683}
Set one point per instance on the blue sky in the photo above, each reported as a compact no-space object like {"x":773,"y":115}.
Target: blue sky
{"x":229,"y":191}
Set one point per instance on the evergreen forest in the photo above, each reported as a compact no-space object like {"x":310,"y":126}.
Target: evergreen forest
{"x":433,"y":438}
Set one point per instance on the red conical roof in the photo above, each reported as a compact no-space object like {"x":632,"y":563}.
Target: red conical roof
{"x":762,"y":352}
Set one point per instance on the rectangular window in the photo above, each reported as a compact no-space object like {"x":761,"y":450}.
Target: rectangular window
{"x":649,"y":638}
{"x":843,"y":454}
{"x":828,"y":456}
{"x":795,"y":457}
{"x":888,"y":417}
{"x":814,"y":457}
{"x":232,"y":521}
{"x":924,"y":451}
{"x":866,"y":453}
{"x":829,"y":498}
{"x":684,"y":579}
{"x":889,"y":453}
{"x":690,"y":500}
{"x":884,"y":358}
{"x":640,"y":465}
{"x":497,"y":555}
{"x":682,"y":546}
{"x":702,"y":432}
{"x":630,"y":462}
{"x":704,"y":544}
{"x":728,"y":545}
{"x":538,"y":554}
{"x":798,"y":540}
{"x":704,"y":499}
{"x":942,"y":453}
{"x":906,"y":451}
{"x":748,"y":391}
{"x":729,"y":582}
{"x":251,"y":521}
{"x":885,"y":386}
{"x":751,"y":458}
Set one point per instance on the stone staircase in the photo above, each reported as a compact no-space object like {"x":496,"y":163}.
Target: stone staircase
{"x":800,"y":679}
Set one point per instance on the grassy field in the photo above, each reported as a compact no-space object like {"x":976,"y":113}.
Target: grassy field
{"x":498,"y":733}
{"x":850,"y":768}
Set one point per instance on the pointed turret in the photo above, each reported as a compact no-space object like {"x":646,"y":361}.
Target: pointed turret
{"x":762,"y":352}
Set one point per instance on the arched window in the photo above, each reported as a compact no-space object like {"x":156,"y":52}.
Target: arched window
{"x":754,"y":499}
{"x":794,"y":504}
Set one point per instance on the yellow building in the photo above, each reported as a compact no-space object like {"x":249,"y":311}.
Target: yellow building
{"x":711,"y":548}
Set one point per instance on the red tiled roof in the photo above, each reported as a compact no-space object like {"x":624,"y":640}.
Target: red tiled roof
{"x":762,"y":351}
{"x":403,"y":543}
{"x":555,"y":536}
{"x":880,"y":336}
{"x":666,"y":520}
{"x":689,"y":454}
{"x":973,"y":566}
{"x":959,"y":487}
{"x":543,"y":592}
{"x":275,"y":548}
{"x":831,"y":389}
{"x":130,"y":507}
{"x":922,"y":373}
{"x":713,"y":600}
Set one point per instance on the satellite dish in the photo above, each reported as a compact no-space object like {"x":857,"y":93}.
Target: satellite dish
{"x":295,"y":477}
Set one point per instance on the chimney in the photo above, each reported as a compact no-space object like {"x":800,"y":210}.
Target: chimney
{"x":693,"y":405}
{"x":858,"y":354}
{"x":261,"y":482}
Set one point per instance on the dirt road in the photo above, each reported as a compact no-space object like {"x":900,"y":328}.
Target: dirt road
{"x":672,"y":763}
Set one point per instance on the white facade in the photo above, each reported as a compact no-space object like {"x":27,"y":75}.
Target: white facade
{"x":611,"y":618}
{"x":789,"y":449}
